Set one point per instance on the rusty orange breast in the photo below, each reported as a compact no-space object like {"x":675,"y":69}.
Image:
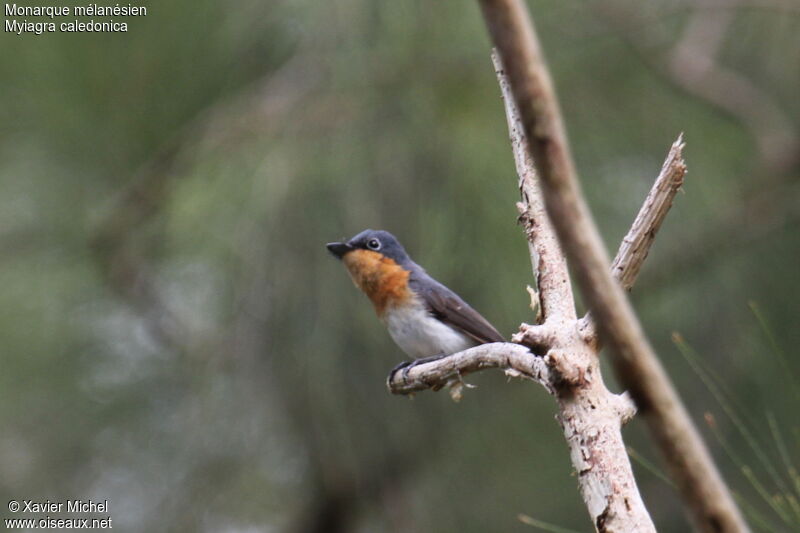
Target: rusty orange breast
{"x":383,"y":280}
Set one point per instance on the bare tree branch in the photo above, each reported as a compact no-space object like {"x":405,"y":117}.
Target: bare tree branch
{"x":636,"y":244}
{"x":690,"y":464}
{"x":606,"y":479}
{"x":692,"y":64}
{"x":516,"y":360}
{"x":588,"y":412}
{"x":547,"y":260}
{"x":590,"y":415}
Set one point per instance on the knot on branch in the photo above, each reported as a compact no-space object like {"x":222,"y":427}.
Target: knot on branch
{"x":538,"y":337}
{"x":567,"y":371}
{"x":566,"y":354}
{"x":588,"y":332}
{"x":525,"y":218}
{"x":625,"y":407}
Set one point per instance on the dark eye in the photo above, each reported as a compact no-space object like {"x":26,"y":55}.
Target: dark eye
{"x":374,"y":244}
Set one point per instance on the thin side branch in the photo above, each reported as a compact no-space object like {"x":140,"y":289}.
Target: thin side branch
{"x":690,"y":464}
{"x":516,"y":360}
{"x":636,"y":245}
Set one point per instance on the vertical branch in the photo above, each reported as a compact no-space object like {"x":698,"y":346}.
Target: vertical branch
{"x":550,"y":267}
{"x":590,"y":415}
{"x":567,"y":365}
{"x":690,"y":464}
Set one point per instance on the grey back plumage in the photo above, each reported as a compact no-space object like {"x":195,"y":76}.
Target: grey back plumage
{"x":448,"y":307}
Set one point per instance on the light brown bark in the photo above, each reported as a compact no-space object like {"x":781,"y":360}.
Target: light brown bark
{"x":563,"y":355}
{"x":690,"y":465}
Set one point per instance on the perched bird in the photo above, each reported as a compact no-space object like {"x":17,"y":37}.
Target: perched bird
{"x":426,"y":319}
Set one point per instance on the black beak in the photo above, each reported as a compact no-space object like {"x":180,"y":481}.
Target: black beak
{"x":338,"y":248}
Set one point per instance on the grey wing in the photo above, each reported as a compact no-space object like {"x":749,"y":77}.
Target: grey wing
{"x":448,"y":307}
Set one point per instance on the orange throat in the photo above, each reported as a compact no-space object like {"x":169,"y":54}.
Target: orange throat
{"x":379,"y":277}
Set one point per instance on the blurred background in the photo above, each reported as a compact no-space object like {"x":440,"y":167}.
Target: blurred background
{"x":175,"y":338}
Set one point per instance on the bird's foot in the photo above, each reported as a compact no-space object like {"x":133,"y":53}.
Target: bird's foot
{"x":397,"y":368}
{"x":406,"y":366}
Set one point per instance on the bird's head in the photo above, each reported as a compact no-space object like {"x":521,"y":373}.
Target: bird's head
{"x":378,"y":265}
{"x":378,"y":242}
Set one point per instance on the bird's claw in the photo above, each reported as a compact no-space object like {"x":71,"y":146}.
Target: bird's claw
{"x":398,"y":367}
{"x":406,"y":366}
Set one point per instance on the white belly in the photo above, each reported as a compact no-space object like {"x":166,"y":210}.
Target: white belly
{"x":418,"y":334}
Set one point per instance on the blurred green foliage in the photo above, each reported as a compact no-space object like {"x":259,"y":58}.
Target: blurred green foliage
{"x":175,"y":339}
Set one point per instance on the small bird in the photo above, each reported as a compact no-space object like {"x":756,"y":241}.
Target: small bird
{"x":426,"y":319}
